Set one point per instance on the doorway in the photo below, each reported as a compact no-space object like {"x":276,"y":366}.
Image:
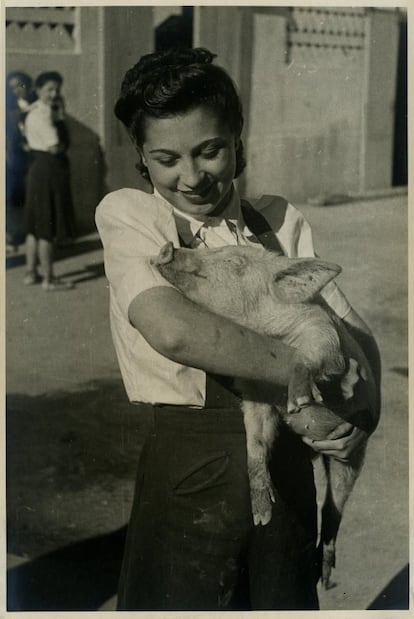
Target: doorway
{"x":400,"y":157}
{"x":175,"y":31}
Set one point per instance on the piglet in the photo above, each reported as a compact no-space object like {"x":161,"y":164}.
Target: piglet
{"x":279,"y":297}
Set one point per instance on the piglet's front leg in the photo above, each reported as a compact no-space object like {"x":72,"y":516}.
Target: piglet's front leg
{"x":260,"y":422}
{"x":302,"y":389}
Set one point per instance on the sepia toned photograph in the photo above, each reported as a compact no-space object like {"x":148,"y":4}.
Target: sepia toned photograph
{"x":206,"y":374}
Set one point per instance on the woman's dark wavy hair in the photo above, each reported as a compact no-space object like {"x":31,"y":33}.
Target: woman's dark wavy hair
{"x":171,"y":82}
{"x":48,"y":76}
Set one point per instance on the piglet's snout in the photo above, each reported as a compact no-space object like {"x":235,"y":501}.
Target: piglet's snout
{"x":165,"y":256}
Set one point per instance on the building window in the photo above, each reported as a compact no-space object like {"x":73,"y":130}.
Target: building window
{"x":41,"y":30}
{"x":325,"y":32}
{"x":173,"y":27}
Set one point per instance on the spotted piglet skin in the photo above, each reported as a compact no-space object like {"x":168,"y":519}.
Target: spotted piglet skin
{"x":314,"y":421}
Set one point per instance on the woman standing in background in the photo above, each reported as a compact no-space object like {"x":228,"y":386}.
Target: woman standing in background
{"x":49,"y":213}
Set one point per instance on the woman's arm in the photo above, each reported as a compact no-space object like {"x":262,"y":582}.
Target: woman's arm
{"x":187,"y":333}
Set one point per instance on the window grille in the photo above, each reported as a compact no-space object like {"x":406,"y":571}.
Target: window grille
{"x":42,"y":29}
{"x":320,"y":31}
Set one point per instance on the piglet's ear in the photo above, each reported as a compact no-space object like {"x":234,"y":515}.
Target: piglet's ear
{"x":303,"y":279}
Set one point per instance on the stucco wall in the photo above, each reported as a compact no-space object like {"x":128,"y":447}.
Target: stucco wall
{"x":318,"y":119}
{"x":81,"y":69}
{"x":380,"y":100}
{"x":109,"y":41}
{"x":317,"y":87}
{"x":128,"y":34}
{"x":305,"y":115}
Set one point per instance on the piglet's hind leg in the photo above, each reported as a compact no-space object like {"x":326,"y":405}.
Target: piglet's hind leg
{"x":341,"y":478}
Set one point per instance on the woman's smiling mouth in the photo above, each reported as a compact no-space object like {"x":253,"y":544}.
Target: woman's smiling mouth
{"x":199,"y":194}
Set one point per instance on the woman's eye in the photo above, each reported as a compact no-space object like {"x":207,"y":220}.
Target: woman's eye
{"x":167,"y":162}
{"x":211,"y":153}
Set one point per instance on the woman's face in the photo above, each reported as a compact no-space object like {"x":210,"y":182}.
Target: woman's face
{"x":49,"y":92}
{"x":191,"y":160}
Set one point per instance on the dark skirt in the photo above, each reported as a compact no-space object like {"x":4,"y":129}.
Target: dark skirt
{"x":49,"y":210}
{"x":191,"y":542}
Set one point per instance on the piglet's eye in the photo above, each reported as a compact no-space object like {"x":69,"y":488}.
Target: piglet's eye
{"x":236,"y":261}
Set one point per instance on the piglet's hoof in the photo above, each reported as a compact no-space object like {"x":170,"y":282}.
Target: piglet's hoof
{"x":328,"y":563}
{"x":262,"y":498}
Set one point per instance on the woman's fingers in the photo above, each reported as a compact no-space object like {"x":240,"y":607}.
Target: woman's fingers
{"x":344,"y":429}
{"x":339,"y":448}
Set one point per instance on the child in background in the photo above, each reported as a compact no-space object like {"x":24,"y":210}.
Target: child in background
{"x":19,"y":98}
{"x":48,"y":208}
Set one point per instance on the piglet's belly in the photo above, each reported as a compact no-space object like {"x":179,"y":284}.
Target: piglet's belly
{"x":314,"y":422}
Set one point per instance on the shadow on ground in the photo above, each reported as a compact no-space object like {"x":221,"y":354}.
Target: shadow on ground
{"x":61,"y":253}
{"x":82,"y":577}
{"x":71,"y":460}
{"x":90,"y":271}
{"x":71,"y":463}
{"x":79,"y":577}
{"x":395,"y":595}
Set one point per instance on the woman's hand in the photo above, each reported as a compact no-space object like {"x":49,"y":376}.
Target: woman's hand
{"x":340,"y":443}
{"x":57,"y":149}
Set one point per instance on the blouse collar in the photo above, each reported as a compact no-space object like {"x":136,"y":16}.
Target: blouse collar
{"x":188,"y":225}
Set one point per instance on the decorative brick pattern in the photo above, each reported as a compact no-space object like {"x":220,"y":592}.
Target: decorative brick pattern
{"x":42,"y":29}
{"x":312,"y":32}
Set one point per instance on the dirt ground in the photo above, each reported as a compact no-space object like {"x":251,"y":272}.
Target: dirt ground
{"x":73,"y":440}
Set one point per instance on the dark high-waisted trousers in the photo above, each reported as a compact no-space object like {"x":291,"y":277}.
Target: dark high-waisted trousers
{"x":191,"y":542}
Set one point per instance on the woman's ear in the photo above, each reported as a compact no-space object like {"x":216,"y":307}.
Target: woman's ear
{"x":141,"y":165}
{"x":141,"y":154}
{"x":137,"y":147}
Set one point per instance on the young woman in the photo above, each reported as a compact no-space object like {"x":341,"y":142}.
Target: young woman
{"x":191,"y":541}
{"x":48,"y":209}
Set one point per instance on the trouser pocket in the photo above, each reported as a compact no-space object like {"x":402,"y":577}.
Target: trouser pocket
{"x":202,"y":473}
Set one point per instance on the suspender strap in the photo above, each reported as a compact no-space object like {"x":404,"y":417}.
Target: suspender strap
{"x":182,"y":244}
{"x":219,"y":392}
{"x":259,"y":225}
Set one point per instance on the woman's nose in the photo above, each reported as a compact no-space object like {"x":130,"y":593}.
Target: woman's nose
{"x":191,"y":175}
